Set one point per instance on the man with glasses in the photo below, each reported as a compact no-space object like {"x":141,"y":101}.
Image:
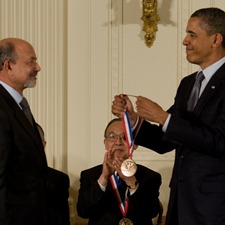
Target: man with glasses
{"x":106,"y":196}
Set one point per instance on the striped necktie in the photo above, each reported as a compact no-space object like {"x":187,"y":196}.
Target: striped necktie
{"x":193,"y":99}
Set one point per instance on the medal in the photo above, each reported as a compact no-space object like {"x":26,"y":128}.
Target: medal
{"x":125,"y":221}
{"x":128,"y":167}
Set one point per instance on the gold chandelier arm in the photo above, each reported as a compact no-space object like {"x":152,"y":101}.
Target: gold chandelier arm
{"x":150,"y":17}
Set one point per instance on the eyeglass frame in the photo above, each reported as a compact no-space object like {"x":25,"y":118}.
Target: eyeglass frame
{"x":121,"y":137}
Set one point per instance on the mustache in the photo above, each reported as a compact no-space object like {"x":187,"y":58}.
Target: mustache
{"x":33,"y":74}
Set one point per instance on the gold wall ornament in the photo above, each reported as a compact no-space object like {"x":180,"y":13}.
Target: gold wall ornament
{"x":150,"y":18}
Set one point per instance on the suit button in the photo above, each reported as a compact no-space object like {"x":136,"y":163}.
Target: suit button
{"x":181,"y":156}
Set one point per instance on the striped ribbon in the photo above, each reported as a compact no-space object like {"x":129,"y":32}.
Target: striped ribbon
{"x":122,"y":205}
{"x":128,"y":132}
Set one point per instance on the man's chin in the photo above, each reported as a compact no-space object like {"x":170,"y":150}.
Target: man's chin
{"x":30,"y":84}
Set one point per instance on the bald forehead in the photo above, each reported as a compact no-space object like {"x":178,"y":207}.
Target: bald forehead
{"x":16,"y":42}
{"x":22,"y":48}
{"x":13,"y":40}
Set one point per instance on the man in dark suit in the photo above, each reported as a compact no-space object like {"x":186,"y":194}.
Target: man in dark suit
{"x":198,"y":134}
{"x":22,"y":158}
{"x":104,"y":190}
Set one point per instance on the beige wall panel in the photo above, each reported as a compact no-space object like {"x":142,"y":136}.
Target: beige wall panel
{"x":88,"y":85}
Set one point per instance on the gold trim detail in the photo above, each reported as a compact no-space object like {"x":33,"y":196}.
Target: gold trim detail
{"x":150,"y":18}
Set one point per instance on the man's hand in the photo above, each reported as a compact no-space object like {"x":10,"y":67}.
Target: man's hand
{"x":107,"y":170}
{"x":150,"y":110}
{"x":121,"y":104}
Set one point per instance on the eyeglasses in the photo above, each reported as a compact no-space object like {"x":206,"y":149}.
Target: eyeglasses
{"x":112,"y":137}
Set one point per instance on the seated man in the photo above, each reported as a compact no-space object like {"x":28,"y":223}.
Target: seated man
{"x":57,"y":185}
{"x":100,"y":197}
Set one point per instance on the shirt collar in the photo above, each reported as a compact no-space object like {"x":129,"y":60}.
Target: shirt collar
{"x":210,"y":70}
{"x":15,"y":94}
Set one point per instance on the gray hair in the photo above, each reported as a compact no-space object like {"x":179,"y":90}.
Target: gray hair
{"x":7,"y":51}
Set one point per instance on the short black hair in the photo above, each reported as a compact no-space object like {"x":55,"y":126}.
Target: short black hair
{"x":110,"y":122}
{"x":213,"y":21}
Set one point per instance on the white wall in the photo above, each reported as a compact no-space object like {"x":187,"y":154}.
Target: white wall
{"x":89,"y":51}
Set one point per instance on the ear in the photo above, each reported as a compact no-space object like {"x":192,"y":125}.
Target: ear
{"x":7,"y":65}
{"x":218,"y":39}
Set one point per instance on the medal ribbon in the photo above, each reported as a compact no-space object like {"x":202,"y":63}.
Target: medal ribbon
{"x":123,"y":205}
{"x":128,"y":132}
{"x":139,"y":122}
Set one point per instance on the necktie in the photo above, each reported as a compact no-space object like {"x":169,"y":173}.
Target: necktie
{"x":120,"y":186}
{"x":26,"y":109}
{"x":192,"y":101}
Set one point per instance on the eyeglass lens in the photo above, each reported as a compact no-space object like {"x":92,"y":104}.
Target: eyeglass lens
{"x":113,"y":137}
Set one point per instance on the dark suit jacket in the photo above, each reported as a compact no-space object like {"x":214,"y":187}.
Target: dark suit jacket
{"x":198,"y":180}
{"x":57,"y":197}
{"x":102,"y":208}
{"x":22,"y":167}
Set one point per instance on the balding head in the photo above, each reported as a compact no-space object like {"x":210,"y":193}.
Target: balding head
{"x":18,"y":66}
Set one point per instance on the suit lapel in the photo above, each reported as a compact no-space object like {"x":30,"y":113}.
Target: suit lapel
{"x":188,"y":89}
{"x":183,"y":93}
{"x":212,"y":86}
{"x":22,"y":120}
{"x":32,"y":131}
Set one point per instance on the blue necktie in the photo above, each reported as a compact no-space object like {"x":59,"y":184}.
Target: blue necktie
{"x":121,"y":187}
{"x":193,"y":99}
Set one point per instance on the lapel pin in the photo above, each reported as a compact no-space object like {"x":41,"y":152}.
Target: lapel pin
{"x":213,"y":87}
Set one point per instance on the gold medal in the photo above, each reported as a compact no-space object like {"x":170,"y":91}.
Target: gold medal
{"x":125,"y":221}
{"x":128,"y":167}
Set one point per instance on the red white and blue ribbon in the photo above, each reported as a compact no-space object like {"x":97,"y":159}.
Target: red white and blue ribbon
{"x":137,"y":127}
{"x":123,"y":205}
{"x":128,"y":132}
